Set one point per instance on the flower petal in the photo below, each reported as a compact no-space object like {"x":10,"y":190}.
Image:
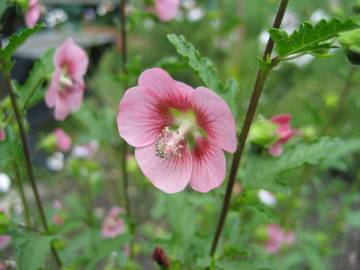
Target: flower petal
{"x":140,"y":118}
{"x":276,"y":149}
{"x":52,"y":93}
{"x":32,"y":14}
{"x":215,"y":117}
{"x":173,"y":93}
{"x":62,"y":108}
{"x":169,"y":175}
{"x":72,"y":56}
{"x":209,"y":166}
{"x":166,"y":9}
{"x":281,"y":119}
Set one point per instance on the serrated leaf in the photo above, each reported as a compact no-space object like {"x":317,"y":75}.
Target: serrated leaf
{"x":309,"y":37}
{"x":260,"y":172}
{"x":32,"y":251}
{"x":203,"y":66}
{"x":15,"y":42}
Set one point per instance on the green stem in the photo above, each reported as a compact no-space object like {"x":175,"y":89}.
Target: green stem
{"x":22,"y":195}
{"x":261,"y":77}
{"x":343,"y":95}
{"x":124,"y":168}
{"x":28,"y":163}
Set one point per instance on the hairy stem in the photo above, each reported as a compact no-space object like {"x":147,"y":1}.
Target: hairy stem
{"x":28,"y":163}
{"x":24,"y":202}
{"x":261,"y":77}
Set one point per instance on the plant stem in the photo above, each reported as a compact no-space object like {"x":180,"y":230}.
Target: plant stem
{"x":124,"y":167}
{"x":343,"y":95}
{"x":261,"y":77}
{"x":28,"y":163}
{"x":22,"y":195}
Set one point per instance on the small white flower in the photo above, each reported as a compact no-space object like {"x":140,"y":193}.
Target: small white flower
{"x":318,"y":15}
{"x":303,"y":60}
{"x":195,"y":14}
{"x":290,"y":22}
{"x":86,"y":150}
{"x":266,"y":197}
{"x":4,"y":182}
{"x":55,"y":162}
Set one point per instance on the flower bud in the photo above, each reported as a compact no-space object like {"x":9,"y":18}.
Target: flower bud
{"x":263,"y":132}
{"x":160,"y":257}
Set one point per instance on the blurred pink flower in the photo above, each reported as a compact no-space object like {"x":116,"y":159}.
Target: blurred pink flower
{"x":57,"y":204}
{"x":2,"y":135}
{"x":58,"y":219}
{"x":33,"y":13}
{"x":4,"y":241}
{"x":63,"y":140}
{"x":67,"y":86}
{"x":166,"y":10}
{"x":113,"y":225}
{"x":86,"y":150}
{"x":284,"y":133}
{"x":277,"y":238}
{"x":2,"y":266}
{"x":179,"y":133}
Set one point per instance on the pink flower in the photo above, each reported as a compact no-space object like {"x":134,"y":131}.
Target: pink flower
{"x":2,"y":135}
{"x":58,"y":219}
{"x":166,"y":10}
{"x":113,"y":224}
{"x":86,"y":150}
{"x":67,"y":86}
{"x":33,"y":13}
{"x":179,"y":132}
{"x":277,"y":238}
{"x":63,"y":140}
{"x":4,"y":241}
{"x":284,"y":133}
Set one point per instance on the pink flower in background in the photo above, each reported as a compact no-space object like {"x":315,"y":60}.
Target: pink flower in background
{"x":58,"y":219}
{"x":277,"y":238}
{"x":67,"y":86}
{"x":284,"y":133}
{"x":179,"y":132}
{"x":4,"y":241}
{"x":86,"y":150}
{"x":2,"y":135}
{"x":63,"y":140}
{"x":33,"y":13}
{"x":113,"y":224}
{"x":166,"y":10}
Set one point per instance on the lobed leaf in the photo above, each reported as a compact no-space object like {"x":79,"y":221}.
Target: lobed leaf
{"x":309,"y":38}
{"x":260,"y":172}
{"x":203,"y":66}
{"x":15,"y":42}
{"x":39,"y":74}
{"x":32,"y":251}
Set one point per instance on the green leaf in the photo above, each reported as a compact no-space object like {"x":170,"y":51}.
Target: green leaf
{"x":261,"y":172}
{"x":32,"y":251}
{"x":42,"y":70}
{"x":351,"y":40}
{"x":309,"y":38}
{"x":203,"y":66}
{"x":353,"y":219}
{"x":3,"y":6}
{"x":15,"y":42}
